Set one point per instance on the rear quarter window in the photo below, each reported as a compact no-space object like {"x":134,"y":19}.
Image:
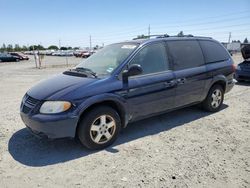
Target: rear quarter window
{"x":213,"y":51}
{"x":185,"y":54}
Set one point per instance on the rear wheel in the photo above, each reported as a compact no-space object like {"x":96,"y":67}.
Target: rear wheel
{"x":99,"y":128}
{"x":214,"y":99}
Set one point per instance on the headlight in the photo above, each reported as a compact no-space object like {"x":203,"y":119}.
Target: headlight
{"x":53,"y":107}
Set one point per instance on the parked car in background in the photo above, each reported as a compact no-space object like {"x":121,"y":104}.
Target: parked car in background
{"x":126,"y":82}
{"x":82,"y":54}
{"x":4,"y":57}
{"x":20,"y":55}
{"x":63,"y":53}
{"x":77,"y":53}
{"x":86,"y":54}
{"x":243,"y":69}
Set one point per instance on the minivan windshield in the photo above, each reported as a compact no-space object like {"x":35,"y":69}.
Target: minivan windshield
{"x":106,"y":60}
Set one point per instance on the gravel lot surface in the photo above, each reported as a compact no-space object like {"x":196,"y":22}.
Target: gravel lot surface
{"x":185,"y":148}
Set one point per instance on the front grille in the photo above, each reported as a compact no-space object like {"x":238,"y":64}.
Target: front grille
{"x":26,"y":109}
{"x":28,"y":104}
{"x":31,"y":101}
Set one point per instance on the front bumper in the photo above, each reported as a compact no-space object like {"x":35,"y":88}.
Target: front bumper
{"x":51,"y":126}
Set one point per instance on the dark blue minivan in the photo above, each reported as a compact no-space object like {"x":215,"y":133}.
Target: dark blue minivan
{"x":243,"y":69}
{"x":126,"y":82}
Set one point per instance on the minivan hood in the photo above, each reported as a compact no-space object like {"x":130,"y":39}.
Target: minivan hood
{"x":245,"y":51}
{"x":60,"y":83}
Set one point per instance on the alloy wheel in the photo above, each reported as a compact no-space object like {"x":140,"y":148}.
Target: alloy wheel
{"x":216,"y":98}
{"x":102,"y":129}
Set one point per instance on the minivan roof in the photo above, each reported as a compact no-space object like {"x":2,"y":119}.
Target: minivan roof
{"x":163,"y":37}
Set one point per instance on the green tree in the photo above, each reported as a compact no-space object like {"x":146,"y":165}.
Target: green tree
{"x":63,"y":48}
{"x":3,"y":48}
{"x":24,"y":48}
{"x":17,"y":48}
{"x":9,"y":48}
{"x":36,"y":47}
{"x":53,"y":47}
{"x":245,"y":40}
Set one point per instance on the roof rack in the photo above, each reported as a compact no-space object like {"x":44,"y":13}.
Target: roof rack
{"x":166,"y":35}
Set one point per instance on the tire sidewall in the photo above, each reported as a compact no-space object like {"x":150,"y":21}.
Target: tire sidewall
{"x":83,"y":130}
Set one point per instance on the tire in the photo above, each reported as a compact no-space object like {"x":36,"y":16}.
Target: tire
{"x":214,"y":99}
{"x":99,"y":128}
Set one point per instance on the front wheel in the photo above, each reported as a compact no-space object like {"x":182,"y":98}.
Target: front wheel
{"x":99,"y":128}
{"x":214,"y":99}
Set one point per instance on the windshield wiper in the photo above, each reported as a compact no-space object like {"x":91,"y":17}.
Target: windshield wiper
{"x":85,"y":70}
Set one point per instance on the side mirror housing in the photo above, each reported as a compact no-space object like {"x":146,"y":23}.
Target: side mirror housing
{"x":133,"y":70}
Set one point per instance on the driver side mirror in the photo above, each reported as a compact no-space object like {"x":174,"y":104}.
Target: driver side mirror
{"x":133,"y":70}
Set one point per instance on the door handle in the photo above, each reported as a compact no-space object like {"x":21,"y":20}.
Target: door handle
{"x":181,"y":80}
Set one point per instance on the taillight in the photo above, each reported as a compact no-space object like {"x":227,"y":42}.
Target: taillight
{"x":234,"y":67}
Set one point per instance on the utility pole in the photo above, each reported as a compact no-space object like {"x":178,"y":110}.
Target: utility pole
{"x":229,"y":37}
{"x":59,"y":44}
{"x":35,"y":57}
{"x":149,"y":30}
{"x":90,"y":43}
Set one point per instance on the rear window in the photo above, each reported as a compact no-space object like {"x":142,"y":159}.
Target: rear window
{"x":213,"y":51}
{"x":185,"y":54}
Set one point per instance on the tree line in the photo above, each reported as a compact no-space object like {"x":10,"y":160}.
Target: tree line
{"x":18,"y":48}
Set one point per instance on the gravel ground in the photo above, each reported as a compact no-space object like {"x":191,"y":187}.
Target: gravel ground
{"x":185,"y":148}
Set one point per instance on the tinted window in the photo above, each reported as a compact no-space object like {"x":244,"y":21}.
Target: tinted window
{"x":185,"y":54}
{"x":152,"y":58}
{"x":213,"y":52}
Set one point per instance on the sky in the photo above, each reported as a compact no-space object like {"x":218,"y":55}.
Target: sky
{"x":72,"y":22}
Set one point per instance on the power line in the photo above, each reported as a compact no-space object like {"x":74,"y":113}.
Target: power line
{"x":179,"y":22}
{"x":204,"y":23}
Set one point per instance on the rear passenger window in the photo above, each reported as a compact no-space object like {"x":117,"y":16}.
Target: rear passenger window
{"x":185,"y":54}
{"x":213,"y":52}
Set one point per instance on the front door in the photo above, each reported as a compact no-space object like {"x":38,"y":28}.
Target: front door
{"x":153,"y":91}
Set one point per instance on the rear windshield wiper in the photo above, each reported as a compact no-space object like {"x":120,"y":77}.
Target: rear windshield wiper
{"x":84,"y":70}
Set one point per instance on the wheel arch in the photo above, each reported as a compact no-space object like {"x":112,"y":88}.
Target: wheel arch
{"x":112,"y":102}
{"x":219,"y":80}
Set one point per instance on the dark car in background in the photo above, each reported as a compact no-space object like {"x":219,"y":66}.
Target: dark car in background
{"x":4,"y":57}
{"x":243,"y":69}
{"x":20,"y":55}
{"x":126,"y":82}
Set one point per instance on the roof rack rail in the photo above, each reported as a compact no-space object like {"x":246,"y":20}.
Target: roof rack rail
{"x":149,"y":36}
{"x":189,"y":35}
{"x":204,"y":37}
{"x":166,"y":35}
